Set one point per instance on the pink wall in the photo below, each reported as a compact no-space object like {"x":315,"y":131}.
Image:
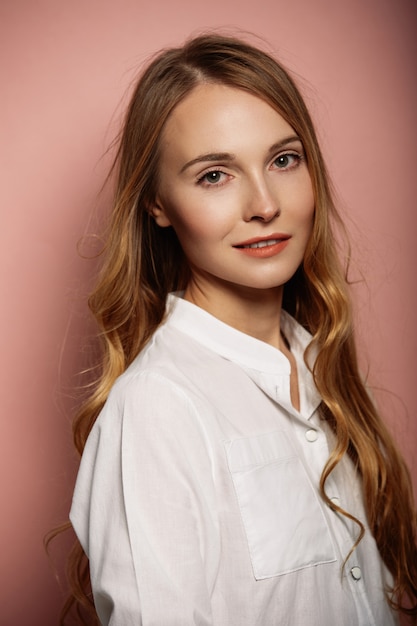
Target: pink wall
{"x":65,"y":67}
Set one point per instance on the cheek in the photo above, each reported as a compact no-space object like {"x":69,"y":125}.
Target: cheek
{"x":195,"y":223}
{"x":306,"y":204}
{"x":296,"y":192}
{"x":304,"y":213}
{"x":192,"y":230}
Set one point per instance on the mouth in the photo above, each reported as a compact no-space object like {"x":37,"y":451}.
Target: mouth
{"x":253,"y":244}
{"x":264,"y":247}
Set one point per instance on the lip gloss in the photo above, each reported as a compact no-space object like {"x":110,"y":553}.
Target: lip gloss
{"x":264,"y":252}
{"x":264,"y":247}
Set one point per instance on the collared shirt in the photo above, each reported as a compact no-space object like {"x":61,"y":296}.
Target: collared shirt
{"x":197,"y":499}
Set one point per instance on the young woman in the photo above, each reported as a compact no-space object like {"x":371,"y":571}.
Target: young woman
{"x":234,"y":469}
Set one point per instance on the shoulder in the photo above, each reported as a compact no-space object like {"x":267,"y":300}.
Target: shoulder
{"x":148,"y":420}
{"x":151,"y":393}
{"x":170,"y":368}
{"x":159,"y":392}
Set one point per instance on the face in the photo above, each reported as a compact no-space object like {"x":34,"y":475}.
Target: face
{"x":235,"y":187}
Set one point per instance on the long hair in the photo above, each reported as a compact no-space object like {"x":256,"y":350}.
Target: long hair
{"x":142,"y":263}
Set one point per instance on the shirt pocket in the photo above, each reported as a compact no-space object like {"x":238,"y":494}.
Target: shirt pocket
{"x":284,"y":522}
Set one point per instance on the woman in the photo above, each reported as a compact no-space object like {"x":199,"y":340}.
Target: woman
{"x":236,"y":471}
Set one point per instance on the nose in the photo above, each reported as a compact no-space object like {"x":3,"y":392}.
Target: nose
{"x":261,"y":203}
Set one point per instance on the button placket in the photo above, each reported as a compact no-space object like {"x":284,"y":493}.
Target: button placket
{"x":313,"y":447}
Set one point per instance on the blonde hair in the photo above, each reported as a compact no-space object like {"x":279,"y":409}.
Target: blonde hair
{"x":143,"y":263}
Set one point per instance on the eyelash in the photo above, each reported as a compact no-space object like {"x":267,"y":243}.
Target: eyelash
{"x":295,"y":155}
{"x":203,"y":181}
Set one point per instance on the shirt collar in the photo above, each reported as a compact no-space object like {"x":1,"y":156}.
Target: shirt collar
{"x":266,"y":366}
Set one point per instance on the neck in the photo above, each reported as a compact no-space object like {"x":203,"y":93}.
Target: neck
{"x":255,"y":312}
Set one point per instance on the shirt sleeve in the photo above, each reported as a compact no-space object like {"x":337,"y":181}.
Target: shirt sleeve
{"x":144,"y":508}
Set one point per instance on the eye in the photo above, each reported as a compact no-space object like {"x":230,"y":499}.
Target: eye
{"x":211,"y":178}
{"x":287,"y":161}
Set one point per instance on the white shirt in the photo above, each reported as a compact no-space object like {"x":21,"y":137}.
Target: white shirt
{"x":197,"y":500}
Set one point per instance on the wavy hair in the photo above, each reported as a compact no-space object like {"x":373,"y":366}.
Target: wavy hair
{"x":142,"y":263}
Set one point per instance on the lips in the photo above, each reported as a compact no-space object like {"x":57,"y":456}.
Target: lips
{"x":263,"y":242}
{"x":263,"y":247}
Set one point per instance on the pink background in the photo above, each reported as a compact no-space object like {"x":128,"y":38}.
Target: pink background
{"x":65,"y":69}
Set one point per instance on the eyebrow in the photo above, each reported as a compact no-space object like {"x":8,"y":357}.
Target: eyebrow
{"x":211,"y":156}
{"x":227,"y":156}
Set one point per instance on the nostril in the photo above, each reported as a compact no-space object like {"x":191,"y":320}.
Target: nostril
{"x":266,"y":216}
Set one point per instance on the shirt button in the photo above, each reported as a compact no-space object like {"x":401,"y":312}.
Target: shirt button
{"x":311,"y":435}
{"x":356,"y":573}
{"x":335,"y":500}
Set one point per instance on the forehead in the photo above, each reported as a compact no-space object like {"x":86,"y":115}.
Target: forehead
{"x":216,"y":117}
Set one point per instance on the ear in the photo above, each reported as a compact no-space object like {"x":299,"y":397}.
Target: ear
{"x":158,"y":213}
